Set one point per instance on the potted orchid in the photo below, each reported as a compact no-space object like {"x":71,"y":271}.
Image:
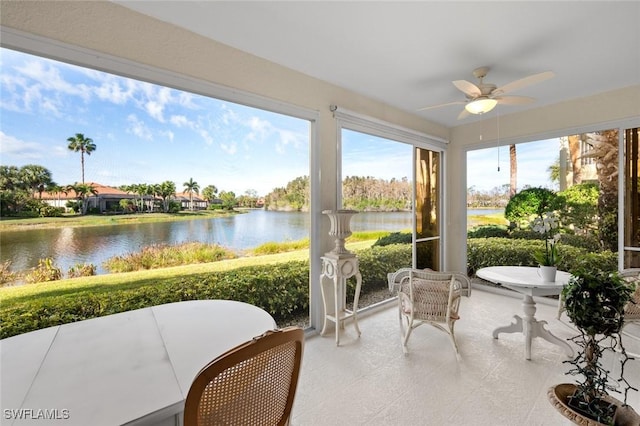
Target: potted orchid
{"x":547,"y":225}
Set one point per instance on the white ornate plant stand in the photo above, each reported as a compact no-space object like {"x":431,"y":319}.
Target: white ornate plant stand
{"x":338,"y":266}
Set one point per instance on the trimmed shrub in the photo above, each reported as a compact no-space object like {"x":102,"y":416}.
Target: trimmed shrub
{"x":50,"y":211}
{"x":376,"y":263}
{"x":280,"y":289}
{"x":488,"y":231}
{"x":482,"y":253}
{"x":394,"y":238}
{"x":530,"y":202}
{"x":580,"y":206}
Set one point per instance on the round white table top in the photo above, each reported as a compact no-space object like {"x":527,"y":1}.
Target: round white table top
{"x":133,"y":367}
{"x":525,"y":279}
{"x":523,"y":276}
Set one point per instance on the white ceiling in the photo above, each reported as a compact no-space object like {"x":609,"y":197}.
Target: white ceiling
{"x":407,"y":53}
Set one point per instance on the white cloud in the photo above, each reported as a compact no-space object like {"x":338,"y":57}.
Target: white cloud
{"x":186,"y":100}
{"x":206,"y":136}
{"x":169,"y":134}
{"x":139,"y":128}
{"x":229,"y":148}
{"x":155,"y":109}
{"x":49,"y":78}
{"x":229,"y":116}
{"x":260,"y":129}
{"x":10,"y":145}
{"x":181,"y":121}
{"x":111,"y":91}
{"x":287,"y":137}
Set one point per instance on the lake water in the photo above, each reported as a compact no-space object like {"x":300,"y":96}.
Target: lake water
{"x":69,"y":246}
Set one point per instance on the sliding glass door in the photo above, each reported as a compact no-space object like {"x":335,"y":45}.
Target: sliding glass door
{"x":631,"y":218}
{"x":427,"y":208}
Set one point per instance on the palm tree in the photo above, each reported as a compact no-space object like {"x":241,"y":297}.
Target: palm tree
{"x":83,"y":192}
{"x":85,"y":145}
{"x":209,"y":193}
{"x":605,"y":153}
{"x":191,"y":187}
{"x":574,"y":155}
{"x":35,"y":178}
{"x":166,"y":190}
{"x":57,"y":190}
{"x":513,"y":171}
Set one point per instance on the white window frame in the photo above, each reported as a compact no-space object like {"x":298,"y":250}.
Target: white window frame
{"x":353,"y":121}
{"x":56,"y":50}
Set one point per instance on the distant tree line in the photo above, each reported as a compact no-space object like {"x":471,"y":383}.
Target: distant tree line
{"x":496,"y":197}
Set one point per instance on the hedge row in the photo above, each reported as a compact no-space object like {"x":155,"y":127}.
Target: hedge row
{"x":486,"y":252}
{"x":280,"y":289}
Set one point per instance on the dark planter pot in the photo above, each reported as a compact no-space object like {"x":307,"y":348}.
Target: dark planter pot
{"x":560,"y":398}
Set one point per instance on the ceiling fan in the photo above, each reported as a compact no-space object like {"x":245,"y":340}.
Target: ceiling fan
{"x":483,"y":97}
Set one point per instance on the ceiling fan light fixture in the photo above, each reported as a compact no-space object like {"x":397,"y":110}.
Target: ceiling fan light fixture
{"x":481,"y":105}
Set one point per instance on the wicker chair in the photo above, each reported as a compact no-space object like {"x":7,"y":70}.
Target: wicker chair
{"x":632,"y":309}
{"x":394,"y":278}
{"x":252,"y":384}
{"x":427,"y":297}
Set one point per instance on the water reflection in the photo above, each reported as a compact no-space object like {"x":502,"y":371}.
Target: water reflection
{"x":95,"y":244}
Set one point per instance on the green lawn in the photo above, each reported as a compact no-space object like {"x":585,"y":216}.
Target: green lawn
{"x":128,"y":280}
{"x":486,"y":219}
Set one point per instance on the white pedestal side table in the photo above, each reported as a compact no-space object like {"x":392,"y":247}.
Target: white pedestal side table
{"x":338,"y":267}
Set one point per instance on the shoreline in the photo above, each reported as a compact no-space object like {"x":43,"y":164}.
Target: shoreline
{"x":74,"y":221}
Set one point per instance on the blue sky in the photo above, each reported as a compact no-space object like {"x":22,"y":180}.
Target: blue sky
{"x":146,"y":133}
{"x":534,"y":159}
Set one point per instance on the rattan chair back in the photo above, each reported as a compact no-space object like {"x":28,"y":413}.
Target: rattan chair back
{"x":427,"y":297}
{"x":252,"y":384}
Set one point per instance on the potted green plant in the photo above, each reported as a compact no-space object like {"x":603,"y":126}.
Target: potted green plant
{"x":595,"y":304}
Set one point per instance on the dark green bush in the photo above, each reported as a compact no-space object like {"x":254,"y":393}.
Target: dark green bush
{"x":280,"y":289}
{"x":377,"y":262}
{"x":580,"y":206}
{"x":528,"y":202}
{"x":482,"y":253}
{"x":50,"y":211}
{"x":394,"y":238}
{"x":587,"y":242}
{"x":488,"y":231}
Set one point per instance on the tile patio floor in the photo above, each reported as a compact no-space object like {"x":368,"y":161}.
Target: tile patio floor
{"x":368,"y":381}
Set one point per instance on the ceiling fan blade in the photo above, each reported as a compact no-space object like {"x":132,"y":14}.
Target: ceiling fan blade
{"x":514,"y":100}
{"x":468,"y":88}
{"x":441,"y":105}
{"x":463,"y":114}
{"x":523,"y":82}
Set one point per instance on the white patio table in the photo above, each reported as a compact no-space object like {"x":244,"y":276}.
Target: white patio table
{"x":526,"y":281}
{"x":132,"y":368}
